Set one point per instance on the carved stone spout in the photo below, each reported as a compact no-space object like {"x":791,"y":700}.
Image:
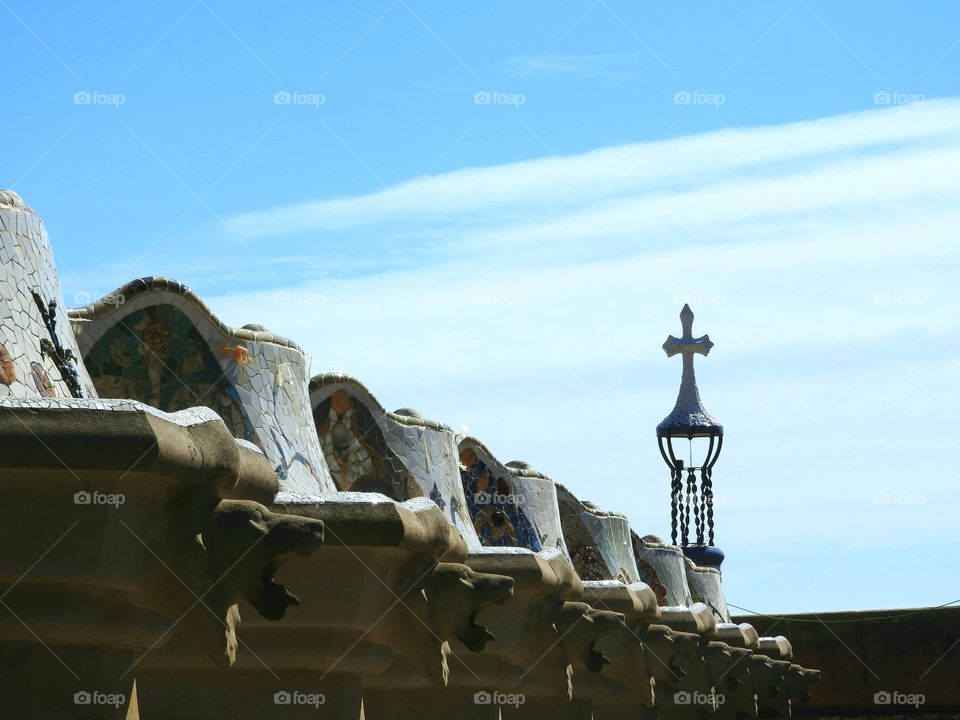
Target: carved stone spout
{"x":729,"y":670}
{"x":799,"y":680}
{"x":770,"y":684}
{"x":456,"y":595}
{"x":206,"y":560}
{"x":581,"y":627}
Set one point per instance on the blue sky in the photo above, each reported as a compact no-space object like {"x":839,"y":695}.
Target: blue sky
{"x":494,"y":212}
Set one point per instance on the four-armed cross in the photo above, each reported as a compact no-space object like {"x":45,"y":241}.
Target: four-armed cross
{"x":687,"y":345}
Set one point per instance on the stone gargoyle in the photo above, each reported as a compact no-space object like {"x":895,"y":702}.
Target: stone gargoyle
{"x":630,"y":672}
{"x":448,"y":605}
{"x":209,"y":554}
{"x":799,"y":680}
{"x":580,"y":627}
{"x":439,"y":605}
{"x":770,"y":683}
{"x":455,"y":596}
{"x":669,"y":653}
{"x":729,"y":670}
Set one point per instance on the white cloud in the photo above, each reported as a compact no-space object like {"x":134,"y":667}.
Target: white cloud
{"x":485,"y":196}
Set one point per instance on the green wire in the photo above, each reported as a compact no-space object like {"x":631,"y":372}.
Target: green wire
{"x":905,"y":613}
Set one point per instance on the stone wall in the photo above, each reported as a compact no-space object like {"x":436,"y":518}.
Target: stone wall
{"x":876,"y":663}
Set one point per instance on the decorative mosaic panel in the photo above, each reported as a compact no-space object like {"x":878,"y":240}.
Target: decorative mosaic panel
{"x":663,"y":568}
{"x":586,"y":559}
{"x":598,"y":542}
{"x":539,"y":494}
{"x":357,"y":452}
{"x":497,"y":512}
{"x":370,"y":449}
{"x":157,"y":356}
{"x":29,"y":366}
{"x":705,"y":586}
{"x":156,"y":342}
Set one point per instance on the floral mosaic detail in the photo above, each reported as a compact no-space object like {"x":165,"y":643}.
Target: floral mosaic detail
{"x":157,"y":356}
{"x":8,"y":372}
{"x":42,"y":381}
{"x":497,"y":516}
{"x":648,"y":574}
{"x":357,"y":452}
{"x":588,"y":563}
{"x":587,"y":560}
{"x":663,"y":568}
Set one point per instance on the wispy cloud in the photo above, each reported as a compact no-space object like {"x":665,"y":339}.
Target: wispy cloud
{"x":815,"y":164}
{"x":820,"y":232}
{"x":616,"y":67}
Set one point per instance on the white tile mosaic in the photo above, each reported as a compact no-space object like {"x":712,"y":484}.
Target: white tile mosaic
{"x":25,"y":370}
{"x":258,"y":382}
{"x":369,"y":448}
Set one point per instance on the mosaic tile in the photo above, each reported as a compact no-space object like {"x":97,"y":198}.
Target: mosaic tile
{"x":705,"y":586}
{"x":663,"y":568}
{"x":27,"y":371}
{"x":372,"y":450}
{"x":162,"y":346}
{"x":494,"y":504}
{"x":598,"y":541}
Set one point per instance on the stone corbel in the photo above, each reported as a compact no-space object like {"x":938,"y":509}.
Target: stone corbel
{"x":209,"y":554}
{"x":668,"y":653}
{"x":450,"y":602}
{"x":799,"y":680}
{"x":729,"y":672}
{"x":770,"y":683}
{"x":580,"y":627}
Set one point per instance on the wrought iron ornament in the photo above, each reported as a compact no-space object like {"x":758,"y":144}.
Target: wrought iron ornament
{"x":62,"y":357}
{"x":689,"y":420}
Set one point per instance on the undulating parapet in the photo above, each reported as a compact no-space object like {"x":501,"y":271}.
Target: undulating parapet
{"x":398,"y":454}
{"x":153,"y":340}
{"x":663,"y":567}
{"x":598,"y":541}
{"x":511,"y":505}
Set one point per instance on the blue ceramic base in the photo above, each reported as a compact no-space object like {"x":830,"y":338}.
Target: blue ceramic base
{"x":704,"y":555}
